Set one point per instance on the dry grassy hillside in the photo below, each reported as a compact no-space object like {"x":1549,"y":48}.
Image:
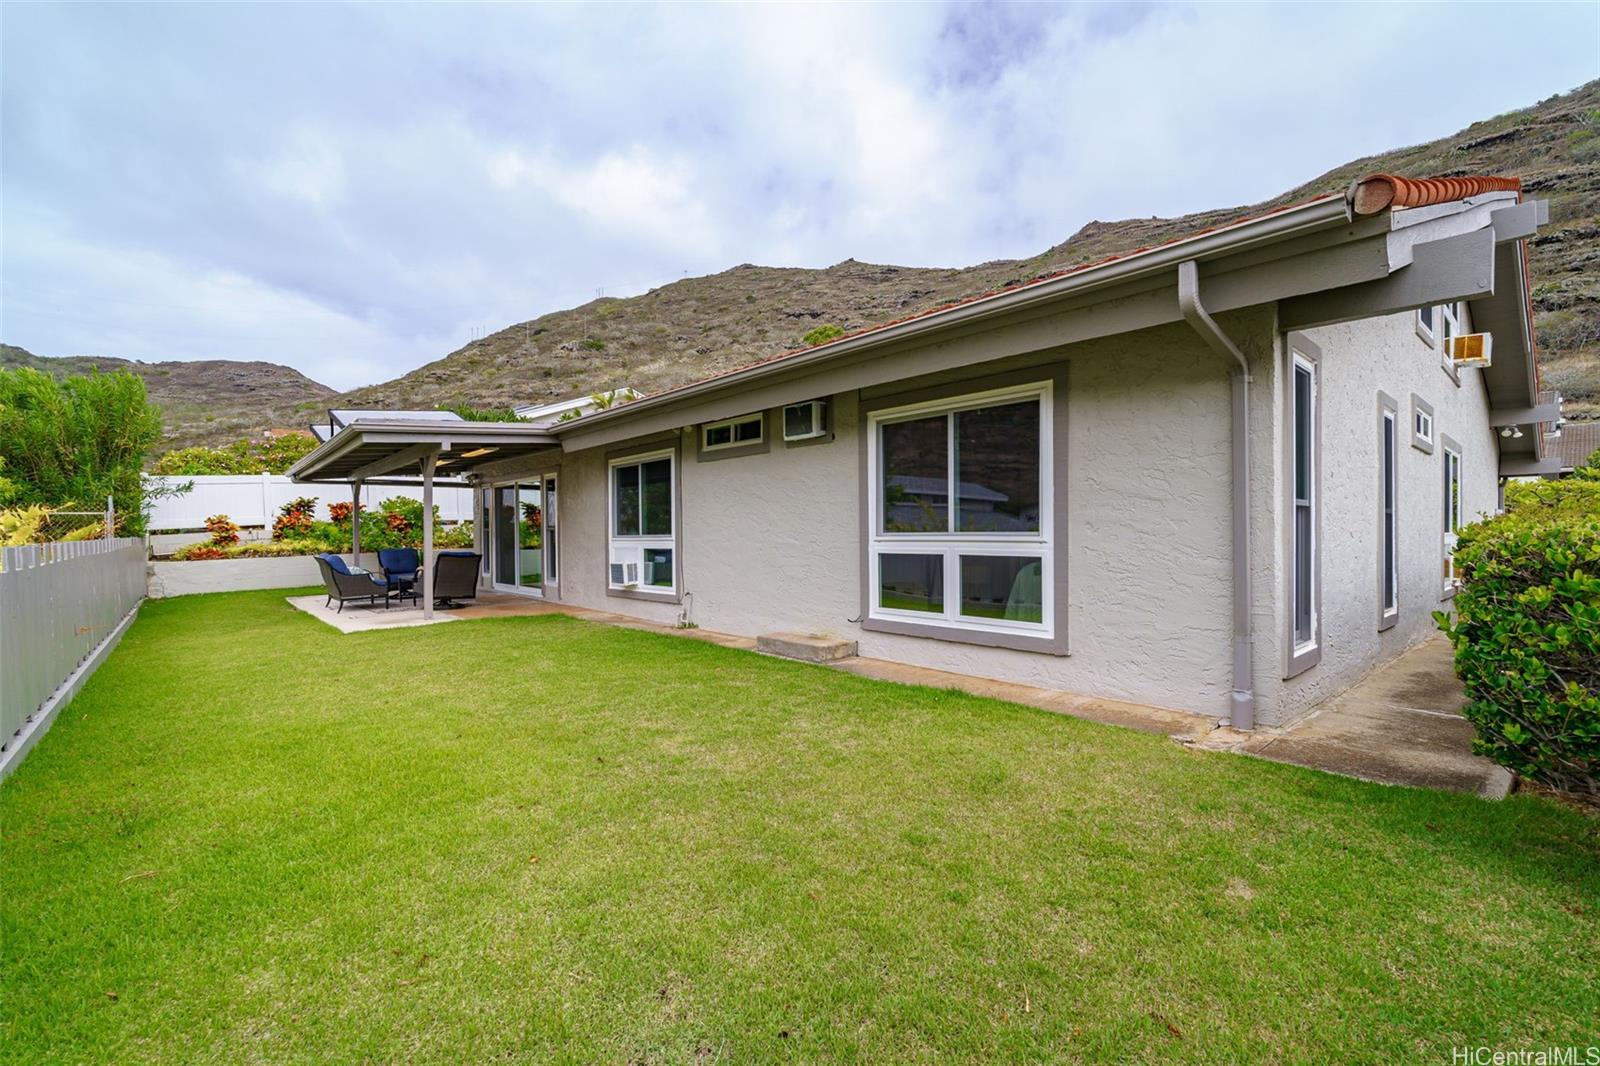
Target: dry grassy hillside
{"x":700,"y":326}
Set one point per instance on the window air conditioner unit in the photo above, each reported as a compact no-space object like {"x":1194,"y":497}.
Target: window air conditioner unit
{"x":624,"y":573}
{"x":805,"y":421}
{"x":1470,"y":349}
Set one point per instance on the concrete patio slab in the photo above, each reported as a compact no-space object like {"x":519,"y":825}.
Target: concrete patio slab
{"x":358,"y":618}
{"x":1401,"y":725}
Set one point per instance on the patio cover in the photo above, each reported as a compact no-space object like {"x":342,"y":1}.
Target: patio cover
{"x":400,"y":451}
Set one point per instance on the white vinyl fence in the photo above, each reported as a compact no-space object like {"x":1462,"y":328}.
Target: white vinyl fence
{"x":254,"y":499}
{"x":63,"y":606}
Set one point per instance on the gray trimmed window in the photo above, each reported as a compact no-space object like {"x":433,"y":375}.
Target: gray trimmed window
{"x":1302,"y":423}
{"x":1451,"y":322}
{"x":1452,"y":515}
{"x":1388,"y":511}
{"x":641,"y":550}
{"x":1422,"y":424}
{"x":961,"y":526}
{"x":733,"y":432}
{"x":1425,"y":320}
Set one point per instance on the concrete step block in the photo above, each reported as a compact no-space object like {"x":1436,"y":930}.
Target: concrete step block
{"x":807,"y":647}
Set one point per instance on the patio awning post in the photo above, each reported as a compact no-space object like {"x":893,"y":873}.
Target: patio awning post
{"x":429,"y":461}
{"x":355,"y":521}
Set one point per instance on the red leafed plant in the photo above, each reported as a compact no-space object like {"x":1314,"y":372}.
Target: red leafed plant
{"x":203,"y":551}
{"x":398,"y":523}
{"x":223,"y":530}
{"x":340,"y":512}
{"x":294,"y":519}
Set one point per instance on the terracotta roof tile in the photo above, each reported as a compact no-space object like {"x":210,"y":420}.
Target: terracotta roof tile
{"x":1380,"y":192}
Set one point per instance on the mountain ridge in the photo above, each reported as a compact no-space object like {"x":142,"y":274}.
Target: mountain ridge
{"x":697,"y":327}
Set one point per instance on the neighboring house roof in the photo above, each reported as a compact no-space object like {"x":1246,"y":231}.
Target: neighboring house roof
{"x":1578,"y":441}
{"x":340,"y":417}
{"x":549,"y":412}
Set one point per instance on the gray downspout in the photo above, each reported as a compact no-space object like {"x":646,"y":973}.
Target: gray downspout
{"x":1242,"y":708}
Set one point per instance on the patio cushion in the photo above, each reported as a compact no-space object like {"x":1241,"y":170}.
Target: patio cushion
{"x":339,"y":566}
{"x":399,"y":561}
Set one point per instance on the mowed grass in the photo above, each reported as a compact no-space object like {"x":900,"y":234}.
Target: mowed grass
{"x":251,"y":838}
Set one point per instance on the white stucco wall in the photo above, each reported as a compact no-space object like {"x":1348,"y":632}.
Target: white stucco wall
{"x":1360,"y":359}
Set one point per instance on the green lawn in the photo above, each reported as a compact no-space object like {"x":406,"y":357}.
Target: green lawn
{"x":252,"y":838}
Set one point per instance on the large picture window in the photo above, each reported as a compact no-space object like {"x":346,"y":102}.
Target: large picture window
{"x":642,"y":549}
{"x":961,"y":534}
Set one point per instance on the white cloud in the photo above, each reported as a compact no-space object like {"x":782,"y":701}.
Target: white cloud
{"x":635,"y":192}
{"x":353,"y":190}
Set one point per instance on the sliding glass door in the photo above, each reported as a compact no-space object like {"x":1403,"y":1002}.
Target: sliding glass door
{"x":524,"y":535}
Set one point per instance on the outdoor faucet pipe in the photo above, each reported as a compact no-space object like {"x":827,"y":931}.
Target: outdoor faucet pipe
{"x":1242,"y":707}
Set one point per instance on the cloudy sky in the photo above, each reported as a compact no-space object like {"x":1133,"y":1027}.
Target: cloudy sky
{"x":357,"y":190}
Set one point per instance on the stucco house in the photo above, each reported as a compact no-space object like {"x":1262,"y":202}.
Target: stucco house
{"x":1220,"y":475}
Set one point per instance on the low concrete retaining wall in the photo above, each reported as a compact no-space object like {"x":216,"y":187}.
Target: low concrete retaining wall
{"x":163,"y":544}
{"x":236,"y":575}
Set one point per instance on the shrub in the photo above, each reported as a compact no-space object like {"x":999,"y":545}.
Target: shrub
{"x":274,"y":455}
{"x":223,"y":530}
{"x":295,"y":519}
{"x":339,"y":512}
{"x":456,"y":536}
{"x":822,"y":334}
{"x":203,"y":550}
{"x":1526,"y":633}
{"x":23,"y":525}
{"x":592,"y":344}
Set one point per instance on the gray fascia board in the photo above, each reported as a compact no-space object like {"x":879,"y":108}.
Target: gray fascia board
{"x":1524,"y":416}
{"x":361,"y":433}
{"x":1515,"y":222}
{"x":1443,"y":271}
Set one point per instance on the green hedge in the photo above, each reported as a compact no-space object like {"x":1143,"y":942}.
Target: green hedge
{"x":1526,"y":633}
{"x":274,"y":455}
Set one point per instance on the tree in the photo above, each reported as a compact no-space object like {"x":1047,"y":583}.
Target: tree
{"x":70,"y":444}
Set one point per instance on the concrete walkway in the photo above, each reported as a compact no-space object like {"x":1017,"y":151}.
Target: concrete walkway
{"x":1400,"y":725}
